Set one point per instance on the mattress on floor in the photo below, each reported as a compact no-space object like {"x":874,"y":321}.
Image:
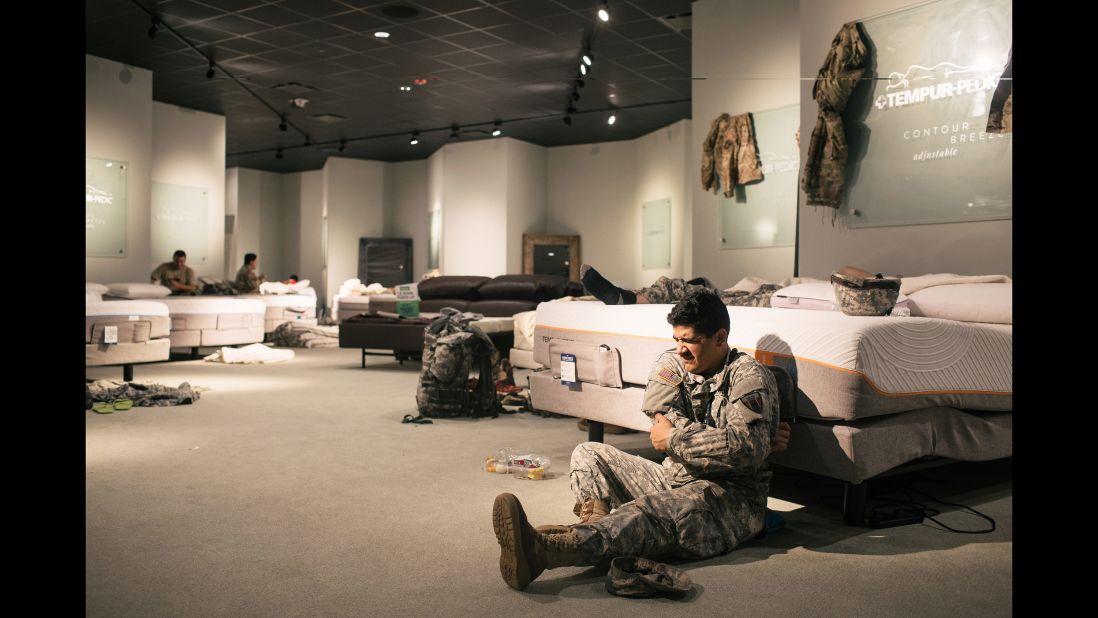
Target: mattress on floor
{"x":845,"y":367}
{"x":151,"y":351}
{"x":847,"y":450}
{"x":215,"y":320}
{"x":524,"y":329}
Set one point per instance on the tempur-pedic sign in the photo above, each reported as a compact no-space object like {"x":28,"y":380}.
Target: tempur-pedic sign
{"x":104,"y":208}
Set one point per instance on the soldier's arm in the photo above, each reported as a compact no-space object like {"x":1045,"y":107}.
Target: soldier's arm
{"x":744,"y":439}
{"x":663,"y":394}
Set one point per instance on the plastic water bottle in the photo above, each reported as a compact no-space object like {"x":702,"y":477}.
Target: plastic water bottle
{"x":524,"y":466}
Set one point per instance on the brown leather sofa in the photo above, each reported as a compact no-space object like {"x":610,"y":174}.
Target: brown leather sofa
{"x":502,"y":296}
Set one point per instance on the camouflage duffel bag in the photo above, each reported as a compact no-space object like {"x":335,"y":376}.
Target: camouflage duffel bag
{"x":458,"y":375}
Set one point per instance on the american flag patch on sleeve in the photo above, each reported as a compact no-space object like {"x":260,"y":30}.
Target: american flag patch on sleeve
{"x":667,"y":376}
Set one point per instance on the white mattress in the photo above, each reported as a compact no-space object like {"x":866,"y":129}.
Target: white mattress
{"x":281,"y":300}
{"x":212,"y":305}
{"x":524,"y":329}
{"x":897,"y":357}
{"x":354,"y":302}
{"x":126,"y":308}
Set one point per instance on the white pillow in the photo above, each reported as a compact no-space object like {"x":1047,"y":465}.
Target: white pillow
{"x":299,"y":286}
{"x":92,"y":297}
{"x":966,"y":302}
{"x":817,"y":295}
{"x":95,"y":288}
{"x":135,"y":291}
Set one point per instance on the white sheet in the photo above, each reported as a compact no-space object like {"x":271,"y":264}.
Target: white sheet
{"x":284,"y":300}
{"x":251,"y":354}
{"x":898,"y":355}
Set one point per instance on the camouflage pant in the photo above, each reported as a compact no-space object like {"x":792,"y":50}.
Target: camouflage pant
{"x":666,"y":291}
{"x":651,"y":517}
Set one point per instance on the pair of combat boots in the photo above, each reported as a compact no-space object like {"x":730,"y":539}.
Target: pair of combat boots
{"x":526,"y":552}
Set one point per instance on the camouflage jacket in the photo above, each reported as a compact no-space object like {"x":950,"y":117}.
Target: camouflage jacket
{"x":247,"y":280}
{"x":825,"y":167}
{"x":723,"y":424}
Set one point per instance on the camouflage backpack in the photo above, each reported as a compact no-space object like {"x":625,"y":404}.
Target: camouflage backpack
{"x":459,"y":368}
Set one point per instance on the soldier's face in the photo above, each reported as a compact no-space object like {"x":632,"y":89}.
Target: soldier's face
{"x":699,"y":353}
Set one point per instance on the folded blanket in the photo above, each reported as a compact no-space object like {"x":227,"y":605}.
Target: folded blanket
{"x":910,"y":285}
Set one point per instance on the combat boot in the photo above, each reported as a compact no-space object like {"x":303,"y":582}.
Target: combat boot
{"x":524,"y":552}
{"x":589,"y":511}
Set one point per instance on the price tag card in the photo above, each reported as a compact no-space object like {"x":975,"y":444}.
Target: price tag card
{"x":110,"y":334}
{"x":568,"y":369}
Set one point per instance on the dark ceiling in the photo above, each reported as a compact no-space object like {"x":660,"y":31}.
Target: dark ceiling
{"x":484,"y":60}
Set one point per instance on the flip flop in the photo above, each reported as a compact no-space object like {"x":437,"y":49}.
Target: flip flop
{"x":102,"y":407}
{"x":123,"y":404}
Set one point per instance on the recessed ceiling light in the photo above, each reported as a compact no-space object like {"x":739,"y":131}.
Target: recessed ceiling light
{"x":381,"y":34}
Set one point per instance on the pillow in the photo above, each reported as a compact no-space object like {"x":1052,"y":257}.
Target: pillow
{"x":451,"y":286}
{"x":299,"y":286}
{"x":92,"y":297}
{"x":95,"y":288}
{"x":135,"y":291}
{"x":965,"y":302}
{"x":817,"y":296}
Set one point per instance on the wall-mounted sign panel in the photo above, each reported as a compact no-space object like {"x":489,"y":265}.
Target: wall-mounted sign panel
{"x":918,"y":149}
{"x":105,"y":207}
{"x":656,"y":244}
{"x":180,"y":220}
{"x":768,"y":215}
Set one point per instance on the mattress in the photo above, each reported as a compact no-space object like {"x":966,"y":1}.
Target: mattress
{"x":284,"y":308}
{"x":349,"y":306}
{"x":523,"y":358}
{"x":215,"y":320}
{"x":524,"y":329}
{"x":845,"y":367}
{"x":141,"y":328}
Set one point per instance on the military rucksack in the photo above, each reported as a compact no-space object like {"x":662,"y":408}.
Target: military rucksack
{"x":459,"y":368}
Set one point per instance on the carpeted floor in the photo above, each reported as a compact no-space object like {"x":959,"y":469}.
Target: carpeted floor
{"x":294,"y":489}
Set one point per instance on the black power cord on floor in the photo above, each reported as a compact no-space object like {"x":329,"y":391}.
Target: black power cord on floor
{"x":912,"y":508}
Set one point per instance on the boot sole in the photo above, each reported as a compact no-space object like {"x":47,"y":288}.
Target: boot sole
{"x":508,"y":520}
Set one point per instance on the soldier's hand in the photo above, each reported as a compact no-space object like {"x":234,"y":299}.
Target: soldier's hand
{"x":659,"y":432}
{"x":781,"y":441}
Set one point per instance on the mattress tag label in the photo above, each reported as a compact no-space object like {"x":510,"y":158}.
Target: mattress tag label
{"x":110,"y":334}
{"x":133,"y":318}
{"x":568,"y":369}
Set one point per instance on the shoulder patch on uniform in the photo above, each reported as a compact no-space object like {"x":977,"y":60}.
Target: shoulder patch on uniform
{"x":754,"y":401}
{"x":667,"y":376}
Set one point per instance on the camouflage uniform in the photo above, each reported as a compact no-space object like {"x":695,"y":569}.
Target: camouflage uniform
{"x":167,"y":272}
{"x":823,"y":180}
{"x":710,"y":493}
{"x":247,"y":280}
{"x":728,"y":152}
{"x":667,"y":291}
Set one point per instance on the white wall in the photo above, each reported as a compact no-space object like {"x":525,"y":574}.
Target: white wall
{"x":474,"y":207}
{"x":661,"y":173}
{"x":247,"y":232}
{"x":271,"y":253}
{"x":355,"y":193}
{"x":232,"y":208}
{"x":748,"y":54}
{"x":982,"y":247}
{"x":591,"y":192}
{"x":526,"y":199}
{"x":189,"y":150}
{"x":303,"y":198}
{"x":118,"y":124}
{"x":406,"y":208}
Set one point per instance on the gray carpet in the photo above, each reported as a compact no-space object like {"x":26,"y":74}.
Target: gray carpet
{"x":293,"y":489}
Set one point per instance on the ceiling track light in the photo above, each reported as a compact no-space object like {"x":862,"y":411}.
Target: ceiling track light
{"x":588,"y":58}
{"x":612,"y":118}
{"x":604,"y":12}
{"x":210,"y":72}
{"x":570,"y":110}
{"x":308,"y":142}
{"x":342,"y":145}
{"x":497,"y":129}
{"x":415,"y":138}
{"x":154,"y":28}
{"x":583,"y":69}
{"x":575,"y":95}
{"x":568,"y":120}
{"x":282,"y":126}
{"x":455,"y":132}
{"x":278,"y":154}
{"x":578,"y":83}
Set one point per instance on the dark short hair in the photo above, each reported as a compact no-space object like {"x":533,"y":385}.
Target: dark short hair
{"x":179,"y":253}
{"x":248,"y":257}
{"x":701,"y":310}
